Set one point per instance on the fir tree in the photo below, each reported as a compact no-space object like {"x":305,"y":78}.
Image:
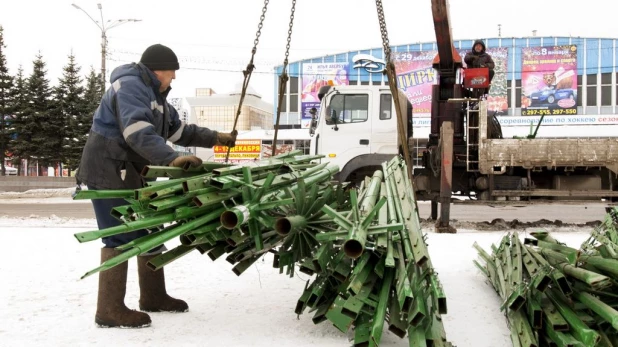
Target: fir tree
{"x":92,"y":94}
{"x":69,"y":107}
{"x":5,"y":105}
{"x":18,"y":144}
{"x":36,"y":117}
{"x":90,"y":102}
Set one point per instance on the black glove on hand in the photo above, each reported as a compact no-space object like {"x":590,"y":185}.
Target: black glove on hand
{"x":186,"y":160}
{"x":228,"y":140}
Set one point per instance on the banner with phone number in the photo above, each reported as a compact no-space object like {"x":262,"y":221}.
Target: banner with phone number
{"x":549,"y":81}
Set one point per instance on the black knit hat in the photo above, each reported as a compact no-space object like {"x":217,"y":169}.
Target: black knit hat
{"x":159,"y":57}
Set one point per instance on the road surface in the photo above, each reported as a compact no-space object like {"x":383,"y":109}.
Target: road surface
{"x":567,"y":213}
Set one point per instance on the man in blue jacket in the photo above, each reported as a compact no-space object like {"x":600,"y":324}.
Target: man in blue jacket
{"x":130,"y":129}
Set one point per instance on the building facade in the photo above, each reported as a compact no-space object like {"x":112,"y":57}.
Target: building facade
{"x":218,"y":112}
{"x":569,"y":80}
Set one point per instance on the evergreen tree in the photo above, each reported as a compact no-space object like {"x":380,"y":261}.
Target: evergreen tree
{"x":92,"y":94}
{"x":69,"y":107}
{"x":18,"y":146}
{"x":5,"y":104}
{"x":90,"y":102}
{"x":40,"y":128}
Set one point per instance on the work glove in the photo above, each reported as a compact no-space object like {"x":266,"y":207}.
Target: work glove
{"x":185,"y":161}
{"x":224,"y":139}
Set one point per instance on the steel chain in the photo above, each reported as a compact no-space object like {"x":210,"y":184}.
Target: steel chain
{"x":260,"y":25}
{"x":392,"y":83}
{"x":247,"y":72}
{"x":287,"y":46}
{"x":283,"y":78}
{"x":383,"y":31}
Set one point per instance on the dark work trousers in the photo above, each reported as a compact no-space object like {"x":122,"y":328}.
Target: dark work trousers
{"x":102,"y":211}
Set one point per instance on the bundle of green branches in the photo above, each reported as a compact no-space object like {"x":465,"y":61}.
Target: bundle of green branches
{"x":217,"y":209}
{"x":364,"y":244}
{"x":375,"y":268}
{"x":556,"y":295}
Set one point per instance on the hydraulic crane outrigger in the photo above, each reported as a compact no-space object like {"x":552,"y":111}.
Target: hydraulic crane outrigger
{"x":446,"y":118}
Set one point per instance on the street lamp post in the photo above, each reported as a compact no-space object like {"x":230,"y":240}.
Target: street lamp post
{"x":104,"y":27}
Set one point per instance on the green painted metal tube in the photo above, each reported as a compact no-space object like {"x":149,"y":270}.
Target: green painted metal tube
{"x":438,"y":293}
{"x":145,"y":193}
{"x":595,"y":280}
{"x":544,"y":236}
{"x":604,"y":311}
{"x":396,"y":322}
{"x":403,"y":288}
{"x":215,"y":198}
{"x":608,"y":265}
{"x":177,"y":200}
{"x":152,"y":242}
{"x":121,"y":213}
{"x":86,"y":194}
{"x":152,"y":171}
{"x":407,"y":245}
{"x":286,"y":225}
{"x":217,"y":251}
{"x":551,"y":316}
{"x":535,"y":312}
{"x":416,"y":337}
{"x":235,"y":216}
{"x":561,"y":339}
{"x":166,"y":192}
{"x":540,"y":275}
{"x":569,"y":253}
{"x":242,"y":266}
{"x":520,"y":323}
{"x":435,"y":334}
{"x":557,"y":276}
{"x":578,"y":328}
{"x":203,"y":235}
{"x":354,"y":246}
{"x":125,"y":228}
{"x":362,"y":330}
{"x":160,"y":261}
{"x":373,"y":192}
{"x":322,"y":256}
{"x":361,"y":271}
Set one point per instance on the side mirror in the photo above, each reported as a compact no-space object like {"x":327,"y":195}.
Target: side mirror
{"x":314,"y":124}
{"x":333,"y":116}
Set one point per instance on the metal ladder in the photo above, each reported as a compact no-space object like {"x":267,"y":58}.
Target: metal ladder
{"x":472,"y":165}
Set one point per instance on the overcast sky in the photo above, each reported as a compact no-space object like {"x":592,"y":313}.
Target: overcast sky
{"x":213,"y":38}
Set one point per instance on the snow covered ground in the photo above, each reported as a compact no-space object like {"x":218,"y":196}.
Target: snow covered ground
{"x":44,"y":303}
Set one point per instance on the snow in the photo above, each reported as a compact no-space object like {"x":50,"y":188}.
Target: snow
{"x":61,"y":195}
{"x":45,"y":303}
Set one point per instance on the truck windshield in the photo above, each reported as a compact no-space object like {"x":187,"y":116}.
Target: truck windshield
{"x":349,"y":108}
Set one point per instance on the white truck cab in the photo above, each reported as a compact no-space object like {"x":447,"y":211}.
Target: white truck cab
{"x":356,"y":128}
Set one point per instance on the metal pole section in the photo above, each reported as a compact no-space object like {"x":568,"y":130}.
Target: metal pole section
{"x":446,"y":181}
{"x":103,"y":52}
{"x":104,"y":28}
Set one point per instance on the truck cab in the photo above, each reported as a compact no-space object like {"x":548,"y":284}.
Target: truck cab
{"x":356,"y":128}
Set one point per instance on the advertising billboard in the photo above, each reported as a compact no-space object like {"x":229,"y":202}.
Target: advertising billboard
{"x":244,"y":151}
{"x":415,"y":76}
{"x":549,"y":80}
{"x":315,"y":76}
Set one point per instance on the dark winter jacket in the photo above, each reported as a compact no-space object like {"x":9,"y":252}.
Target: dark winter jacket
{"x":475,"y":59}
{"x":130,"y":129}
